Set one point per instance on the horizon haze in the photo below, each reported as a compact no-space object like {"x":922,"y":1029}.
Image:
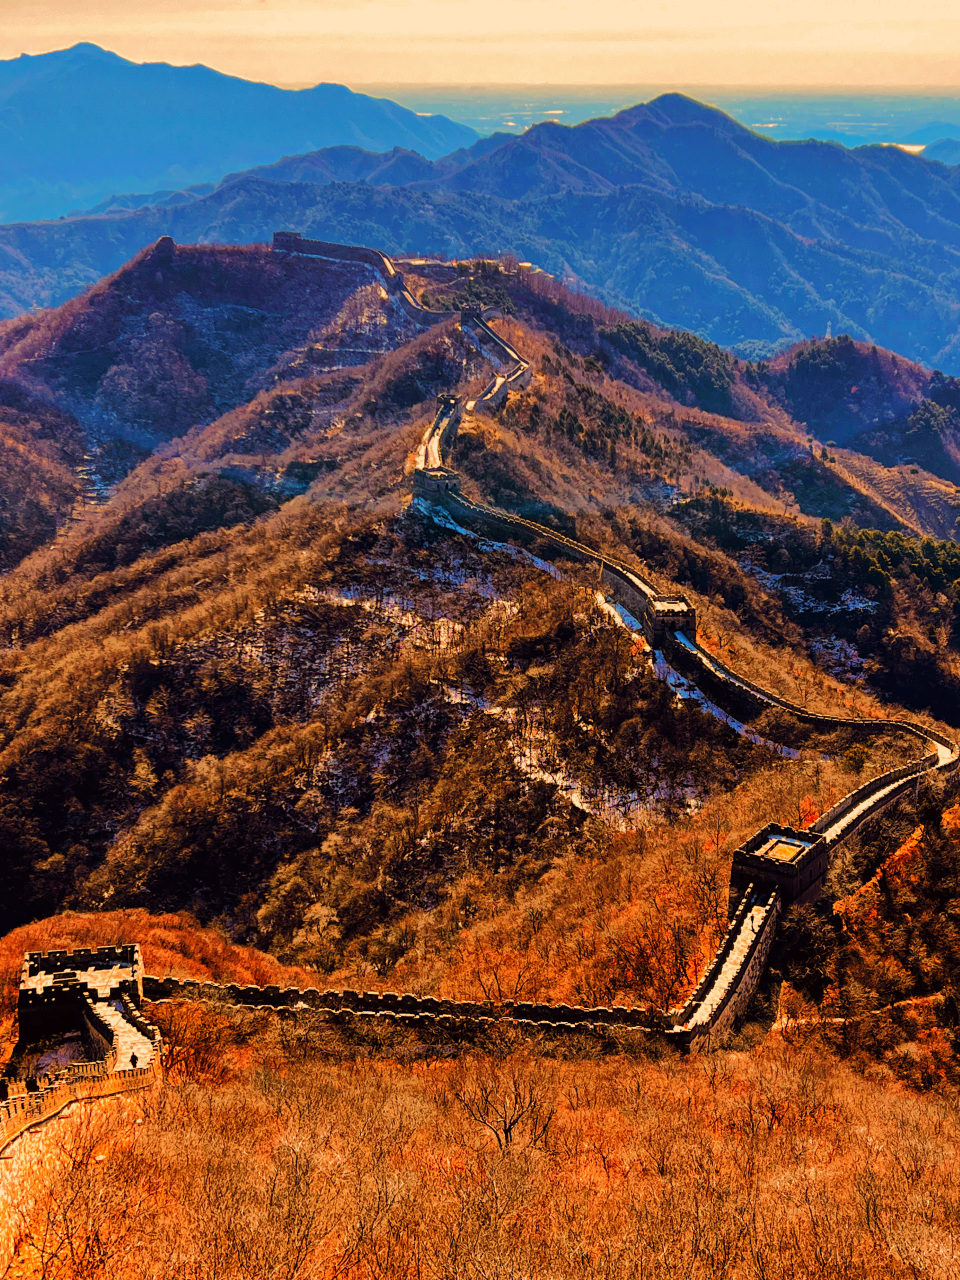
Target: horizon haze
{"x":290,"y":41}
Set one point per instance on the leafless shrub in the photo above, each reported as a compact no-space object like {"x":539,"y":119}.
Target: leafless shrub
{"x":510,"y":1098}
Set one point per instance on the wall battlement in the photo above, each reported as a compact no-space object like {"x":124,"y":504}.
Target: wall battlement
{"x":96,"y":993}
{"x":54,"y":984}
{"x":406,"y":1009}
{"x":83,"y":958}
{"x":778,"y":865}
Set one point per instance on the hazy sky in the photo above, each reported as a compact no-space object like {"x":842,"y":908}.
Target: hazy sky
{"x":742,"y":42}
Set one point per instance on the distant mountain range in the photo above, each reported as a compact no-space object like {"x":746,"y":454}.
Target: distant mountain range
{"x":81,"y":123}
{"x":670,"y":209}
{"x":946,"y":150}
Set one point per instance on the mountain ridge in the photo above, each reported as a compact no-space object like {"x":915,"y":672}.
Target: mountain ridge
{"x":671,"y":210}
{"x":81,"y":123}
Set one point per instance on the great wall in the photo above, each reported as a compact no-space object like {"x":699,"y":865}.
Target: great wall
{"x":96,"y":995}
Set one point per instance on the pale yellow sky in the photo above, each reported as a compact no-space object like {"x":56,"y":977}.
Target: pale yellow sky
{"x":740,"y":42}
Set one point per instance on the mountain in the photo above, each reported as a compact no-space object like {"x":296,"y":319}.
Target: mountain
{"x":79,"y":124}
{"x":192,"y":400}
{"x":179,"y":337}
{"x":946,"y":150}
{"x":225,"y":585}
{"x":931,"y":132}
{"x":271,"y":712}
{"x":425,"y":845}
{"x":670,"y":210}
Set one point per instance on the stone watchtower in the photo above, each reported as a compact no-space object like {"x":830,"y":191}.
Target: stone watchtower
{"x":59,"y":988}
{"x":432,"y":482}
{"x":783,"y":858}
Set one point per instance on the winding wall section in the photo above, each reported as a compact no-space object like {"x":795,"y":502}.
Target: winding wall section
{"x":761,"y":883}
{"x":100,"y":991}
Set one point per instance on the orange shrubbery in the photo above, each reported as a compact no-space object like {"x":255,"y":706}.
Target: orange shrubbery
{"x":880,"y":972}
{"x":309,"y":1162}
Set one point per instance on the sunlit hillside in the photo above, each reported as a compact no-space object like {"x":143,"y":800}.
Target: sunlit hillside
{"x":285,"y":724}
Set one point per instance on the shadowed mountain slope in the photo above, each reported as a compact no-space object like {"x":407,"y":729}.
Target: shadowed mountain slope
{"x":177,"y":337}
{"x":946,"y":150}
{"x":81,"y":123}
{"x":670,"y":209}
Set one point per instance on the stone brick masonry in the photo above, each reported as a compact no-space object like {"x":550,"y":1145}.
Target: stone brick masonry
{"x":98,"y":993}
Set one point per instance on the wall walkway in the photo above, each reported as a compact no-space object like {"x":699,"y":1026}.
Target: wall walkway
{"x":101,"y":991}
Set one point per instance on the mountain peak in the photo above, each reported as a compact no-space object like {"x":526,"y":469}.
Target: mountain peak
{"x":82,"y":51}
{"x":677,"y":108}
{"x":84,"y":123}
{"x":90,"y":49}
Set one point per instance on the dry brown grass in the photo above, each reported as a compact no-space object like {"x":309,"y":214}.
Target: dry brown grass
{"x":777,"y":1165}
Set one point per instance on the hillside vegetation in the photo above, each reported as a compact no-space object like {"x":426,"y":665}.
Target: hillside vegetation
{"x":247,"y":683}
{"x":263,"y":714}
{"x":285,"y":1146}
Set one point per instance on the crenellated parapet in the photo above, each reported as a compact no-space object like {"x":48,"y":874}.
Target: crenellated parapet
{"x":406,"y":1010}
{"x":51,"y":962}
{"x":93,"y":995}
{"x":731,"y":979}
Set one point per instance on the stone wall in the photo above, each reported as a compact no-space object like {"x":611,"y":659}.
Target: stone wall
{"x":698,"y":1035}
{"x":293,"y":242}
{"x":36,"y":962}
{"x":760,"y":886}
{"x":408,"y":1010}
{"x":803,"y":880}
{"x":80,"y":1082}
{"x":98,"y":1038}
{"x":516,"y":370}
{"x":57,"y":986}
{"x":659,"y":615}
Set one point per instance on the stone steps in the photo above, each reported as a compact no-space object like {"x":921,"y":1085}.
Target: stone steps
{"x":730,"y":972}
{"x":128,"y":1041}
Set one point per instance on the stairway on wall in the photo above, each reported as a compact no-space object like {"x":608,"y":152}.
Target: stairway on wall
{"x":754,"y":921}
{"x":128,"y":1041}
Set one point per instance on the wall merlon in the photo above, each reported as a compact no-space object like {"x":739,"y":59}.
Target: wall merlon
{"x":84,"y":987}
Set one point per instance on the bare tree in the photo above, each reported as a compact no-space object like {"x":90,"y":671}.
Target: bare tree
{"x":509,"y":1098}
